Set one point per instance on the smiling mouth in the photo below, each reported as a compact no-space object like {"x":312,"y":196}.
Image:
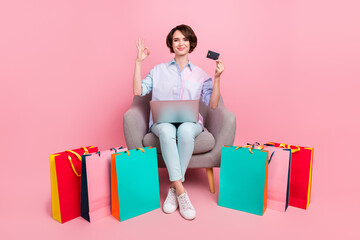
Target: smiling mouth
{"x":180,"y":49}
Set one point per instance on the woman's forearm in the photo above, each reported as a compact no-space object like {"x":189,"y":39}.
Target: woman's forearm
{"x":215,"y":95}
{"x":137,"y":79}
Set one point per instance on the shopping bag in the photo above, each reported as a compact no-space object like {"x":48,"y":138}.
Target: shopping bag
{"x":300,"y":174}
{"x":95,"y":184}
{"x":243,"y":179}
{"x":278,"y":178}
{"x":134,"y":183}
{"x":65,"y":172}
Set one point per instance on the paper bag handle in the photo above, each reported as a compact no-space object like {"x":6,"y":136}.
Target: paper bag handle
{"x":86,"y":151}
{"x":116,"y":149}
{"x":283,"y":145}
{"x":138,"y":149}
{"x":249,"y":146}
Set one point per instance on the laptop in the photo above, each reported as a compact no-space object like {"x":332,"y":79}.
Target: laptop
{"x":175,"y":111}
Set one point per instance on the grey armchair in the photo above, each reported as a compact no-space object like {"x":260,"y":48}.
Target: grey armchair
{"x":220,"y":127}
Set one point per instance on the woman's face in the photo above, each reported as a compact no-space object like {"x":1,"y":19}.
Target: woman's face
{"x":180,"y":44}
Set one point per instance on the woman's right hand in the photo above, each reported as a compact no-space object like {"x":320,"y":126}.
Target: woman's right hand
{"x":143,"y":52}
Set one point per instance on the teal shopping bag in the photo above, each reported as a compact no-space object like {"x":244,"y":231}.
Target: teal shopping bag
{"x":137,"y":181}
{"x":243,"y":179}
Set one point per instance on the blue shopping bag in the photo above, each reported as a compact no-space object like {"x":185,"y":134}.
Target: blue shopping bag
{"x":243,"y":179}
{"x":134,"y":183}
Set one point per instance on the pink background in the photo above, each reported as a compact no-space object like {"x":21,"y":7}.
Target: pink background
{"x":292,"y":75}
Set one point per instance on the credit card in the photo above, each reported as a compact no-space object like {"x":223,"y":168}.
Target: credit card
{"x":213,"y":55}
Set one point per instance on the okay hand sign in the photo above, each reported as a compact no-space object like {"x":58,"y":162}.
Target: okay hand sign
{"x":143,"y":52}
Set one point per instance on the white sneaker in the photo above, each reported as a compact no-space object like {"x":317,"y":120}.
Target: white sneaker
{"x":187,"y":210}
{"x":171,"y":204}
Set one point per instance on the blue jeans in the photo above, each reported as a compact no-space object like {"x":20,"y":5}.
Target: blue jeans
{"x":177,"y":154}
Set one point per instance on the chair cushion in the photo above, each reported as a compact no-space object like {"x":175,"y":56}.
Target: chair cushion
{"x":205,"y":142}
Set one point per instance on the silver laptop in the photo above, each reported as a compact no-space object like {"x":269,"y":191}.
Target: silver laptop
{"x":175,"y":111}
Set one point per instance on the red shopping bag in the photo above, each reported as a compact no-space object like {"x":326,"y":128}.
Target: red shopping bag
{"x":300,"y":174}
{"x":65,"y":172}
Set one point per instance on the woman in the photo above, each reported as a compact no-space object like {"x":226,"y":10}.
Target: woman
{"x":178,"y":79}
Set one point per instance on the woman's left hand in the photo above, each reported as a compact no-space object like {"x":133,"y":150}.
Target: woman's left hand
{"x":219,"y":68}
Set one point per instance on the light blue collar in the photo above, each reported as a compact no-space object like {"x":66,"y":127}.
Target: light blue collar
{"x":189,"y":64}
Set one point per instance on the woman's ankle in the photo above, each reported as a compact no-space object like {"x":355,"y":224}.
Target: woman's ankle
{"x":178,"y":187}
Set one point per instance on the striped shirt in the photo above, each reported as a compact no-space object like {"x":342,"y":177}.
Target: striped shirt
{"x":167,"y":82}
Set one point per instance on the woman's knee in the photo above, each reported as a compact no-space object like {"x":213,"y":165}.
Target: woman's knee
{"x":167,"y":130}
{"x":187,"y":130}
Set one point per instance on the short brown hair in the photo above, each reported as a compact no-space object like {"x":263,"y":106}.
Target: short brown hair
{"x":187,"y":32}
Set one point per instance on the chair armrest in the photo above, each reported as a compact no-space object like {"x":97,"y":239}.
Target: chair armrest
{"x":136,"y":124}
{"x":222,"y":125}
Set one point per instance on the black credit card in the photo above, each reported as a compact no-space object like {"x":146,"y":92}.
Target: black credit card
{"x":213,"y":55}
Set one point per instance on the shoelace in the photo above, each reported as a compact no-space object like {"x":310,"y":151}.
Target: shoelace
{"x":185,"y":202}
{"x":171,"y":196}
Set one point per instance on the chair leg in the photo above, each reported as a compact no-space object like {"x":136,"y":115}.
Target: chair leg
{"x":210,"y":175}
